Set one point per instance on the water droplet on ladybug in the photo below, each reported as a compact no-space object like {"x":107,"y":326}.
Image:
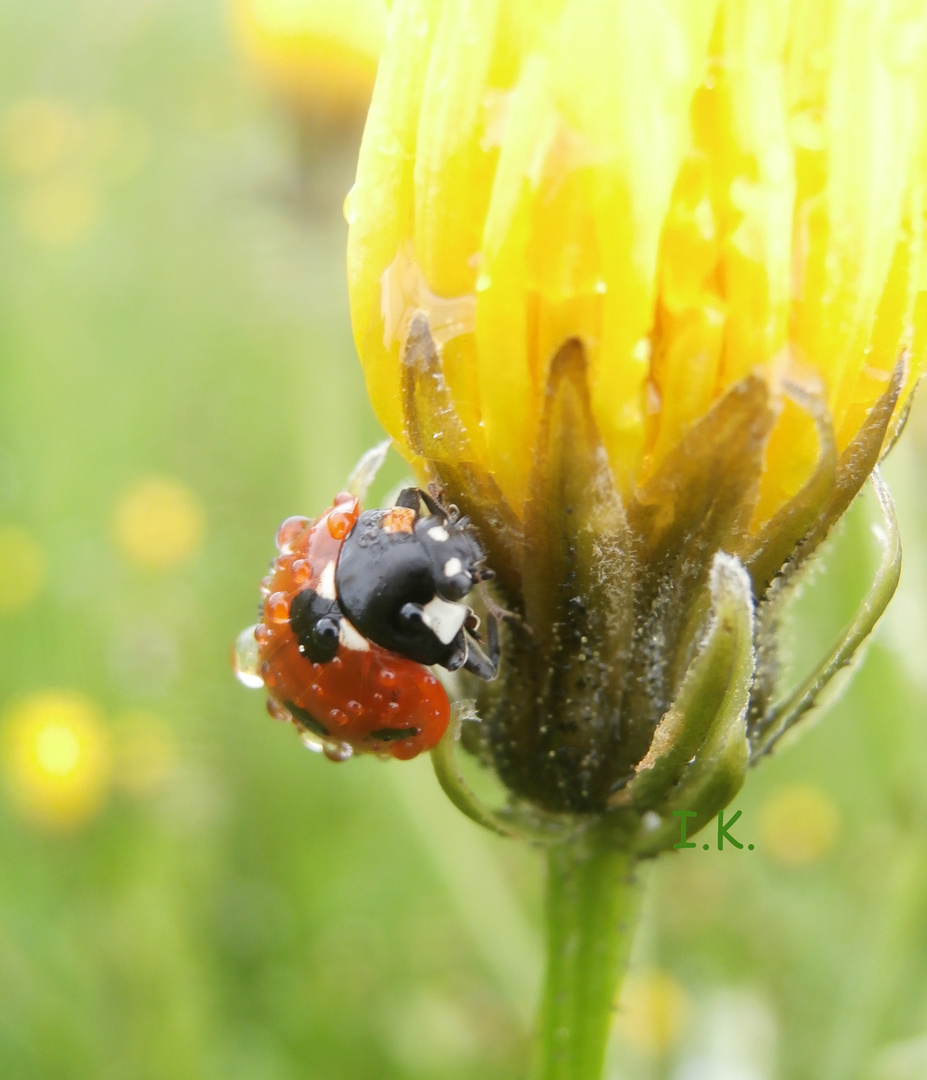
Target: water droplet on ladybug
{"x":337,"y":751}
{"x":276,"y":711}
{"x":339,"y":525}
{"x":337,"y":716}
{"x":290,"y":531}
{"x":246,"y":662}
{"x":355,"y":708}
{"x":301,"y":571}
{"x":278,"y":607}
{"x":311,"y":741}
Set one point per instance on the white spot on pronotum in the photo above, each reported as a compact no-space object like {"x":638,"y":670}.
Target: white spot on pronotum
{"x":452,"y":567}
{"x":438,"y":533}
{"x":326,"y":585}
{"x":351,"y":638}
{"x":444,"y":619}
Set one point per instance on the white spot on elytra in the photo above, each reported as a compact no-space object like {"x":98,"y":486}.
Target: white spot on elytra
{"x":326,"y":585}
{"x":438,"y":533}
{"x":351,"y":638}
{"x":444,"y":619}
{"x":452,"y":567}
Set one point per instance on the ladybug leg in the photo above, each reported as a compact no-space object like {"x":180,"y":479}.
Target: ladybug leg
{"x":410,"y":499}
{"x":433,"y":498}
{"x":414,"y":498}
{"x":484,"y":664}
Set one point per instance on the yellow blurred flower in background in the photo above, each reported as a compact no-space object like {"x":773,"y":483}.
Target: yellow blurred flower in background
{"x":321,"y":56}
{"x":56,"y":758}
{"x":144,"y":752}
{"x":37,"y":134}
{"x":158,"y":523}
{"x":799,"y":824}
{"x":22,"y":568}
{"x":66,"y":156}
{"x":652,"y":1012}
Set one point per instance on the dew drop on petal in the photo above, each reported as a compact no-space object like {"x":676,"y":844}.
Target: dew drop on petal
{"x":245,"y":660}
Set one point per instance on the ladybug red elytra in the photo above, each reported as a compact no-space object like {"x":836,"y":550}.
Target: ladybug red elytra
{"x":354,"y":608}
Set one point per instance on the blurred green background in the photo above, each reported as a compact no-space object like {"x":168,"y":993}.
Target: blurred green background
{"x":184,"y":891}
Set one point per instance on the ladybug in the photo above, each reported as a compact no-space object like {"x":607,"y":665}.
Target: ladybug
{"x":356,"y":607}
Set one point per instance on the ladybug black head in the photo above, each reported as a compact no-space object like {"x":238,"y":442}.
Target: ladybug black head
{"x":454,"y":553}
{"x":316,"y":624}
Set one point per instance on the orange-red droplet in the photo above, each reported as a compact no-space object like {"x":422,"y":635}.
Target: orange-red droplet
{"x":278,"y":607}
{"x":301,"y":571}
{"x":339,"y":525}
{"x":290,"y":530}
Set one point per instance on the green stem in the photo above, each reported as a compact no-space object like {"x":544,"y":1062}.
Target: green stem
{"x":592,"y":906}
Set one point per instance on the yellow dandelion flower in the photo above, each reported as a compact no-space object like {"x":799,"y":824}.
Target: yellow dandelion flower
{"x":159,"y":523}
{"x":56,"y":758}
{"x":322,"y":56}
{"x":643,"y":287}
